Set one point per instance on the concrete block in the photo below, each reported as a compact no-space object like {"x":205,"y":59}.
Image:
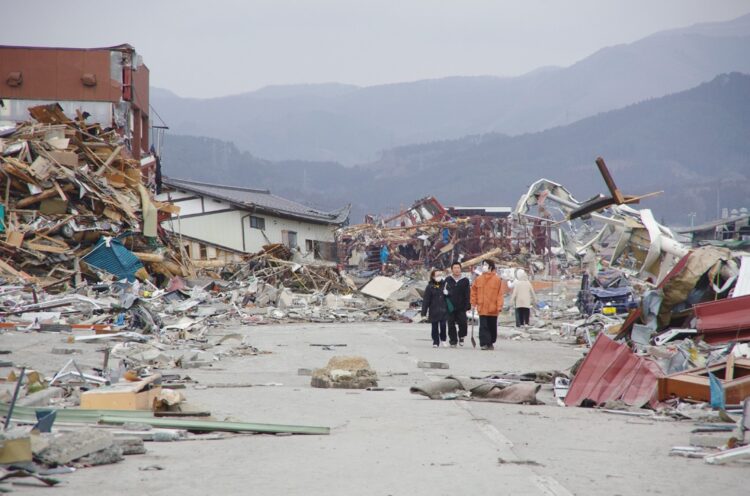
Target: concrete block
{"x":432,"y":365}
{"x":333,"y":301}
{"x":40,"y":442}
{"x":345,"y":372}
{"x":564,"y":339}
{"x":15,"y":446}
{"x":381,"y":287}
{"x":286,"y":299}
{"x":74,"y":445}
{"x":196,"y":364}
{"x":131,"y":445}
{"x":41,"y":398}
{"x":107,"y":456}
{"x":710,"y":440}
{"x":397,"y":305}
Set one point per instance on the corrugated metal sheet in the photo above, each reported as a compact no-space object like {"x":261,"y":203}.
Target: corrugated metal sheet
{"x":115,"y":259}
{"x":612,"y":372}
{"x":724,"y":320}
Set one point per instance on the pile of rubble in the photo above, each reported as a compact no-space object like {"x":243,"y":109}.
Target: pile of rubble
{"x":426,"y":235}
{"x":76,"y":205}
{"x":665,"y":323}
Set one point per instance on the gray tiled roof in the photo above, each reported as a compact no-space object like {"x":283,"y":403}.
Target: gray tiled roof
{"x":261,"y":200}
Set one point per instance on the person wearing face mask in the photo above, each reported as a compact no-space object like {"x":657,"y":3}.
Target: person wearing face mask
{"x":435,"y":305}
{"x":459,"y":294}
{"x":487,"y":298}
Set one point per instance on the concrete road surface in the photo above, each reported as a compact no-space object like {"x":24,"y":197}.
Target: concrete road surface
{"x":392,"y":442}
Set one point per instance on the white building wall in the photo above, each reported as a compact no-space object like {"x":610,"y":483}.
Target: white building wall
{"x":226,"y":228}
{"x":223,"y":229}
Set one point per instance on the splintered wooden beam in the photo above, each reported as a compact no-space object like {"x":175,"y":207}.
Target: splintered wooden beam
{"x":616,"y":194}
{"x":48,"y":193}
{"x":637,"y":199}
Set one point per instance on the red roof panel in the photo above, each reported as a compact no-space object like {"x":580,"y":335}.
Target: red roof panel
{"x":612,"y":372}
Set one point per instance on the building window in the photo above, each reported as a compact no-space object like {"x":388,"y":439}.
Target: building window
{"x":309,"y":246}
{"x":257,"y":223}
{"x":204,"y":252}
{"x":289,"y":238}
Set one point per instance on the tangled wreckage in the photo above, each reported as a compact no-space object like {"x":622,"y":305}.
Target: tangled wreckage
{"x":671,"y":277}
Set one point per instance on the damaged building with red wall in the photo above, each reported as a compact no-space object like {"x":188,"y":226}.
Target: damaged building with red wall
{"x":108,"y":85}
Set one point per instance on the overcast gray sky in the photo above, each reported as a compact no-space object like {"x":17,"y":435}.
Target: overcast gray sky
{"x":203,"y":48}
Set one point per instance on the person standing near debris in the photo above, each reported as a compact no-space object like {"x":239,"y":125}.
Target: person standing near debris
{"x":523,"y":298}
{"x":434,"y":304}
{"x":590,"y":263}
{"x":459,"y":297}
{"x":384,"y":253}
{"x":487,"y":298}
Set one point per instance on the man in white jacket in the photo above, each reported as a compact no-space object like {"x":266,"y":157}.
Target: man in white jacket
{"x":523,"y":298}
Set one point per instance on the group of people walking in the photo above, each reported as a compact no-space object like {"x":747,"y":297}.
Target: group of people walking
{"x":447,"y":299}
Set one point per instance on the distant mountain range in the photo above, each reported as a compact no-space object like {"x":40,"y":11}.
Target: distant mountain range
{"x":694,"y":145}
{"x":352,"y":125}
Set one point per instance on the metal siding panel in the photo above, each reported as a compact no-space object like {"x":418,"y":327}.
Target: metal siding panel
{"x":610,"y":372}
{"x":55,"y":74}
{"x":724,"y":320}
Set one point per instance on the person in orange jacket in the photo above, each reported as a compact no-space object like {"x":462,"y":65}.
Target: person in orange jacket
{"x":487,"y":298}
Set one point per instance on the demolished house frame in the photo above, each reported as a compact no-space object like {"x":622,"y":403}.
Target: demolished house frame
{"x":426,"y":235}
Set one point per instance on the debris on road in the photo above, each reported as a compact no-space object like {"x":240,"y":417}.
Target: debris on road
{"x":463,"y":388}
{"x":345,"y":372}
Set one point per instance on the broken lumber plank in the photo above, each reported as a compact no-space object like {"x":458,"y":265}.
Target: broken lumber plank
{"x":113,"y":156}
{"x":48,"y":193}
{"x":482,"y":258}
{"x":60,"y":191}
{"x":609,"y":181}
{"x":208,"y":264}
{"x":10,"y":270}
{"x":149,"y":257}
{"x":46,"y":248}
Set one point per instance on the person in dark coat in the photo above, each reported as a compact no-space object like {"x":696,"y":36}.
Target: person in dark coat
{"x":434,"y":304}
{"x":459,"y":294}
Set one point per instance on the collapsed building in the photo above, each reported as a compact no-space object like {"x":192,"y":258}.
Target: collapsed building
{"x":671,"y":277}
{"x":429,"y":235}
{"x":108,"y":85}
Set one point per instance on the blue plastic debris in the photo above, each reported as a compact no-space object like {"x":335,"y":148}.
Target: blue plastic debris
{"x":717,"y":392}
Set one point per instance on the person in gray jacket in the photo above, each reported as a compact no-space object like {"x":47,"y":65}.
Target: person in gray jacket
{"x":523,"y":298}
